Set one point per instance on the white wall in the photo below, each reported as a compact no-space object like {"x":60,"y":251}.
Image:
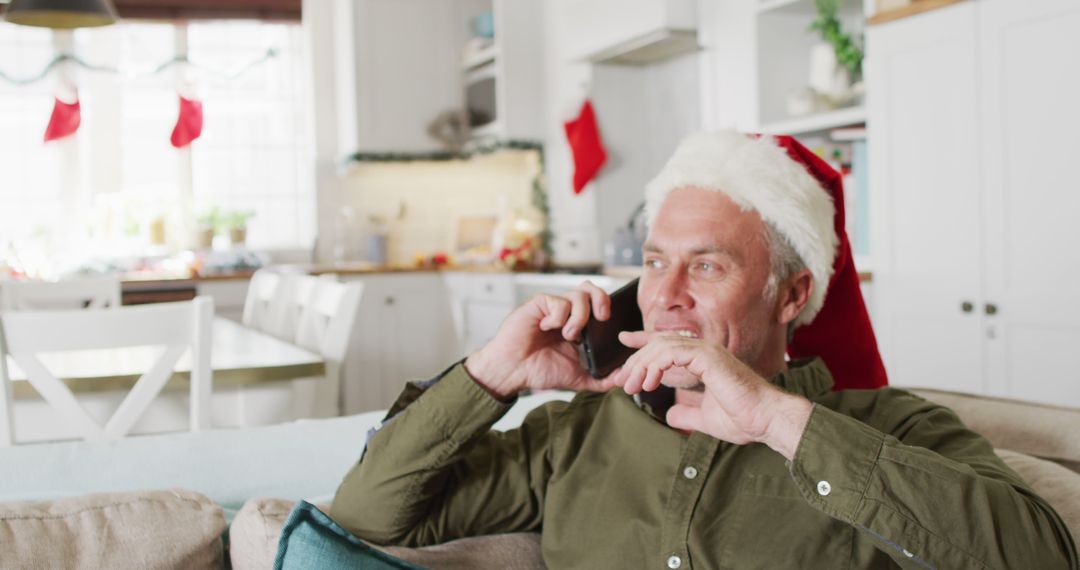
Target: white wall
{"x":727,"y":31}
{"x":644,"y":111}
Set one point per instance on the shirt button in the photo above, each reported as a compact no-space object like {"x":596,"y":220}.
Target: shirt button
{"x":674,"y":562}
{"x":689,"y":472}
{"x":824,"y":488}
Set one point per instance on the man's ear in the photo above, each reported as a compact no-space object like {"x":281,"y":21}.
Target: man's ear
{"x":793,"y":295}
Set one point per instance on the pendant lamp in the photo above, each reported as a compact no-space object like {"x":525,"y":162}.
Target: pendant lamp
{"x":62,"y":14}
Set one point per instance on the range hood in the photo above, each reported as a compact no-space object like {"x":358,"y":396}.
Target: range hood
{"x":634,"y":32}
{"x":650,"y":48}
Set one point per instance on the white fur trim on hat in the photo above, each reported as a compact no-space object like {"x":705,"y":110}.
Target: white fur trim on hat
{"x":758,"y":174}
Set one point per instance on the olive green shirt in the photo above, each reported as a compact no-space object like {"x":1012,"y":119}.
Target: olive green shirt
{"x":881,"y":479}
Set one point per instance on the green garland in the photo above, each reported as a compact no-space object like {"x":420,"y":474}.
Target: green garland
{"x":539,"y":186}
{"x":847,"y":53}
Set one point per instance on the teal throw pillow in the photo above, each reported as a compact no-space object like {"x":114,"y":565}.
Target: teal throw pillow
{"x":311,"y":539}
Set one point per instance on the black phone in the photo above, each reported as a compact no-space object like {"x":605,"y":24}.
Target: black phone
{"x":600,"y":351}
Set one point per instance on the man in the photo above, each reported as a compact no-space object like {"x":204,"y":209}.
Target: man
{"x":758,"y":463}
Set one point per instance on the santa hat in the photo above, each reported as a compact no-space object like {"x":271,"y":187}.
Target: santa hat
{"x":801,"y":196}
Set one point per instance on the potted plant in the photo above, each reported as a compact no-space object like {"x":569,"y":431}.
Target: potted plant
{"x":207,"y":223}
{"x":236,"y":222}
{"x":836,"y":62}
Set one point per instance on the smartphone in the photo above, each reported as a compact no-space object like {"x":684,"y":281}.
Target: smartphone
{"x":600,"y":351}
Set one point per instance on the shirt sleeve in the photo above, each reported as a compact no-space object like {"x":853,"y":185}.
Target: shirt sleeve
{"x":934,"y":495}
{"x":437,"y":472}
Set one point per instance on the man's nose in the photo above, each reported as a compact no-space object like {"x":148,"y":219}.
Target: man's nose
{"x":673,"y":291}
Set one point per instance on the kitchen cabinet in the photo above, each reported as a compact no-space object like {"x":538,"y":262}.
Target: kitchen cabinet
{"x":1030,"y":122}
{"x":505,"y":82}
{"x":404,"y":332}
{"x":228,"y":295}
{"x":479,"y":302}
{"x":630,"y":31}
{"x":972,"y":118}
{"x":406,"y":71}
{"x":410,"y":68}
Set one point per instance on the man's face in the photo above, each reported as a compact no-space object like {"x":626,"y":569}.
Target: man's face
{"x":706,"y":266}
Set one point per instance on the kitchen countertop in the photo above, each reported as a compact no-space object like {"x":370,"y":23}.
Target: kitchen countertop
{"x":149,"y":282}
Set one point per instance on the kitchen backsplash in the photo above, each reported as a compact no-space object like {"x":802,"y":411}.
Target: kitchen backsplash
{"x":420,"y":204}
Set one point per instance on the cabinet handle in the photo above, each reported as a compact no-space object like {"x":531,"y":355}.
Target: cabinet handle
{"x":991,"y":309}
{"x":967,"y":306}
{"x":389,"y":300}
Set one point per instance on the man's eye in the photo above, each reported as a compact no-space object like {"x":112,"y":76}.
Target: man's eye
{"x":652,"y":263}
{"x":709,"y":268}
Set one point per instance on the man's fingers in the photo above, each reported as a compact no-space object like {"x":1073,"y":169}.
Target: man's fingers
{"x":579,"y":315}
{"x":634,"y":339}
{"x":603,"y":384}
{"x":556,"y":311}
{"x":601,"y":302}
{"x":683,"y":416}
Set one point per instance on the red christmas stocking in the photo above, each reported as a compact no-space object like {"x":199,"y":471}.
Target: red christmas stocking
{"x":588,"y":149}
{"x":64,"y":121}
{"x":188,"y":124}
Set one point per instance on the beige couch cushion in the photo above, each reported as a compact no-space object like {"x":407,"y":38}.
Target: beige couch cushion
{"x":253,"y":542}
{"x":1049,"y":432}
{"x":1058,"y":485}
{"x":146,"y":529}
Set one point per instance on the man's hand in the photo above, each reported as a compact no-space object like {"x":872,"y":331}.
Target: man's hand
{"x":739,"y":406}
{"x":533,"y":348}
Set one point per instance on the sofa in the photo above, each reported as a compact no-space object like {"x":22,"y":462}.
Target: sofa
{"x":221,"y":497}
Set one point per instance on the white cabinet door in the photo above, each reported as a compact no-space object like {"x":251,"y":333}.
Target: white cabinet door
{"x":923,"y":127}
{"x":228,"y":295}
{"x":407,"y":71}
{"x":404,"y":332}
{"x":1030,"y":128}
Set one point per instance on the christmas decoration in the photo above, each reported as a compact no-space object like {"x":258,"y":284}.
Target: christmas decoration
{"x":802,"y":197}
{"x":583,"y":134}
{"x":64,"y":121}
{"x":189,"y":123}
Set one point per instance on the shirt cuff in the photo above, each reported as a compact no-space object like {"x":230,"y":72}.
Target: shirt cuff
{"x":460,"y":405}
{"x":834,"y":461}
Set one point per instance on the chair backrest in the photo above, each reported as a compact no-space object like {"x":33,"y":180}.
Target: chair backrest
{"x":262,"y":299}
{"x":24,"y":335}
{"x":328,"y":317}
{"x":83,"y":293}
{"x":276,"y":299}
{"x":297,"y":294}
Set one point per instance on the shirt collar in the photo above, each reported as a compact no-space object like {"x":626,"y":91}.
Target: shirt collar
{"x":807,"y":377}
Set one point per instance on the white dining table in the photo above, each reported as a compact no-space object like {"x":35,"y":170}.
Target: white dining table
{"x":240,"y":356}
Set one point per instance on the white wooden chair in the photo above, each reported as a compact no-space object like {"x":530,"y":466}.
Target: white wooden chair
{"x":275,"y":300}
{"x":327,"y":318}
{"x":261,"y":303}
{"x":24,"y":335}
{"x":83,"y":293}
{"x":325,"y":325}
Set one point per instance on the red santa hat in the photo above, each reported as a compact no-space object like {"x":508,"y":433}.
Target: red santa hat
{"x":801,"y":196}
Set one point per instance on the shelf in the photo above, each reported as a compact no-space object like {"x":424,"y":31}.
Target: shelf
{"x":817,"y":123}
{"x":482,"y":57}
{"x":493,"y":129}
{"x":779,"y":5}
{"x":909,"y":10}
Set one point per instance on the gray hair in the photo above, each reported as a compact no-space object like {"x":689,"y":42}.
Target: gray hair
{"x":784,"y":262}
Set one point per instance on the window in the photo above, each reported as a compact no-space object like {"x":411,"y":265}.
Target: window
{"x":100,"y":191}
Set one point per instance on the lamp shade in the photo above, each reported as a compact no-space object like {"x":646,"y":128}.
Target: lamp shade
{"x":64,"y":14}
